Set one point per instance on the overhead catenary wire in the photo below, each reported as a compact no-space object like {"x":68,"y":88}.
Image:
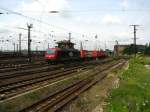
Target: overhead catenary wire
{"x":94,"y":10}
{"x":37,"y":20}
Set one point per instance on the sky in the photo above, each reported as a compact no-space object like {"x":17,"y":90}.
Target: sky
{"x":110,"y":20}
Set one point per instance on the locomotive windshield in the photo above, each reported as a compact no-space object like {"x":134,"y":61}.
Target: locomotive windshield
{"x":50,"y":51}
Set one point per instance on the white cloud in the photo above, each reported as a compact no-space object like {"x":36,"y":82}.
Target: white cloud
{"x":38,"y":6}
{"x":111,"y":20}
{"x":87,"y":20}
{"x":124,"y":4}
{"x":124,"y":34}
{"x":7,"y":28}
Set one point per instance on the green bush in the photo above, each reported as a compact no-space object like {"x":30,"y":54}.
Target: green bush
{"x":133,"y":94}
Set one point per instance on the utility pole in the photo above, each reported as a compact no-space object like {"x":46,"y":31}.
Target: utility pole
{"x":105,"y":46}
{"x":134,"y":39}
{"x":14,"y":47}
{"x":69,"y":37}
{"x":29,"y":41}
{"x":81,"y":46}
{"x":1,"y":49}
{"x":17,"y":49}
{"x":48,"y":45}
{"x":116,"y":48}
{"x":20,"y":43}
{"x":96,"y":36}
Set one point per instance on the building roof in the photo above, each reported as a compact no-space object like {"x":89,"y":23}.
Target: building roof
{"x":65,"y":42}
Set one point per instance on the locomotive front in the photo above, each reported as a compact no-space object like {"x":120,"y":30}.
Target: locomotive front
{"x":51,"y":54}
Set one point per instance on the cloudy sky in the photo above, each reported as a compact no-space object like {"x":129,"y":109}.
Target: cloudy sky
{"x":109,"y":19}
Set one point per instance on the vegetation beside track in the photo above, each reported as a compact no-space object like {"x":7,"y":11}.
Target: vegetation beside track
{"x":93,"y":99}
{"x":133,"y":93}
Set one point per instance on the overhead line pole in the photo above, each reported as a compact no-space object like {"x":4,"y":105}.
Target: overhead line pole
{"x":69,"y":37}
{"x":14,"y":48}
{"x":20,"y":43}
{"x":116,"y":48}
{"x":1,"y":47}
{"x":17,"y":49}
{"x":105,"y":46}
{"x":29,"y":41}
{"x":134,"y":39}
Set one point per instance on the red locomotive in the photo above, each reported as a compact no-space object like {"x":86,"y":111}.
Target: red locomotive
{"x":66,"y":52}
{"x":57,"y":55}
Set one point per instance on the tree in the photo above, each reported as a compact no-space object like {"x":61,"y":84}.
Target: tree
{"x":129,"y":50}
{"x":147,"y":49}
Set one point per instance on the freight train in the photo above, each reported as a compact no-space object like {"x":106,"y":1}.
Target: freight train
{"x":64,"y":54}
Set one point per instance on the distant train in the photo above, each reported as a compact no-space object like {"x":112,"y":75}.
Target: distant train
{"x":23,"y":54}
{"x":64,"y":54}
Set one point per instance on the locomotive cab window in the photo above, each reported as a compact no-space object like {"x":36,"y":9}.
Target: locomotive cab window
{"x":50,"y":52}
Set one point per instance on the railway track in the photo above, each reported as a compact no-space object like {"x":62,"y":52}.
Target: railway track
{"x":13,"y":86}
{"x":14,"y":66}
{"x":26,"y":85}
{"x":56,"y":101}
{"x":21,"y":67}
{"x":27,"y":71}
{"x":9,"y":63}
{"x":9,"y":66}
{"x":53,"y":99}
{"x":36,"y":68}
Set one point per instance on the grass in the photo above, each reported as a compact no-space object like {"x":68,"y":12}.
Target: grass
{"x":133,"y":94}
{"x":32,"y":96}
